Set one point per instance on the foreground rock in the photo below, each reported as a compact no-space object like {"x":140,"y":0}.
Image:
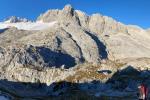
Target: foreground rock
{"x":120,"y":83}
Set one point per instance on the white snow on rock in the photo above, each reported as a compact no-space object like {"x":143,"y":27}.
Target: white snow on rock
{"x":14,"y":19}
{"x":28,"y":25}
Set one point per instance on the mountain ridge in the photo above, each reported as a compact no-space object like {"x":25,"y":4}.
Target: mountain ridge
{"x":77,"y":11}
{"x":14,"y":19}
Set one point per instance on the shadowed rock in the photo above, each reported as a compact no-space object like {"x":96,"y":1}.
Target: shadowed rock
{"x":117,"y":84}
{"x":44,"y":57}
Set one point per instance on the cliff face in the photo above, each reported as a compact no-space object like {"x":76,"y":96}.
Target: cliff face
{"x":96,"y":23}
{"x":70,"y":47}
{"x":120,"y":41}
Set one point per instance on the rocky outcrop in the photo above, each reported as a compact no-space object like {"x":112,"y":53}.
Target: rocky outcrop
{"x":114,"y":35}
{"x":58,"y":44}
{"x":2,"y":56}
{"x":96,"y":23}
{"x":83,"y":18}
{"x":105,"y":25}
{"x":66,"y":15}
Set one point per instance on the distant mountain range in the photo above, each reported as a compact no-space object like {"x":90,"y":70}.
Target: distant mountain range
{"x":14,"y":19}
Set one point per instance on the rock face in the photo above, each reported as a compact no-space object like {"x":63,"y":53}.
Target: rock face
{"x":74,"y":48}
{"x":120,"y":40}
{"x":66,"y":15}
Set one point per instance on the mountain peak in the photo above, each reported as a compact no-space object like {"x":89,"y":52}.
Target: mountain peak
{"x":67,"y":12}
{"x":68,"y":7}
{"x":14,"y":19}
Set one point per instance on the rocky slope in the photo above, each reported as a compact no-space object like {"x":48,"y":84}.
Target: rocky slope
{"x":73,"y":47}
{"x":121,"y":41}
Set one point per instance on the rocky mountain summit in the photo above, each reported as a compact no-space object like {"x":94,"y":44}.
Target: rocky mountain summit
{"x":68,"y":49}
{"x":116,"y":36}
{"x":14,"y":19}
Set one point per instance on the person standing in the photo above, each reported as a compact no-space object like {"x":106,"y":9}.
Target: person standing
{"x":143,"y":92}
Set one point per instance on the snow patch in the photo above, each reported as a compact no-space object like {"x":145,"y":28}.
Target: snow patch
{"x":28,"y":25}
{"x":14,"y":19}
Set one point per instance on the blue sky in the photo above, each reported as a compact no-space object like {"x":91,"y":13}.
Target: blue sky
{"x":126,"y":11}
